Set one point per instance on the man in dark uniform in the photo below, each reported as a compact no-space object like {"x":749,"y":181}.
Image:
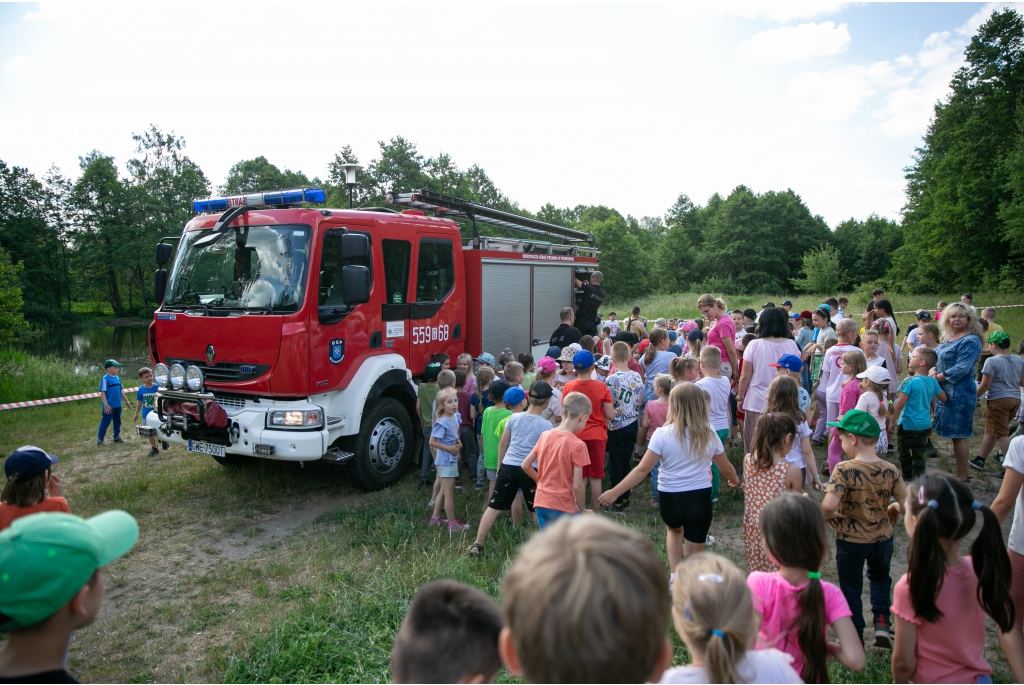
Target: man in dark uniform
{"x":587,"y":319}
{"x":566,"y":333}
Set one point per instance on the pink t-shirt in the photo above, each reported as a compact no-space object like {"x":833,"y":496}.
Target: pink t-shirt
{"x":761,"y":354}
{"x":776,"y":600}
{"x":656,"y":413}
{"x":722,"y":328}
{"x":951,"y":650}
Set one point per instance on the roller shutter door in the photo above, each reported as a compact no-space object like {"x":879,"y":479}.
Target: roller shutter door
{"x":506,"y":308}
{"x":552,"y":290}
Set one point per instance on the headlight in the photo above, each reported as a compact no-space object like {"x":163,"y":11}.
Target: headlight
{"x":177,"y":376}
{"x":160,"y":374}
{"x":194,"y":378}
{"x":294,"y":418}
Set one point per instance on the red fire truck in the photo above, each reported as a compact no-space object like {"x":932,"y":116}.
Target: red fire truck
{"x":310,"y":327}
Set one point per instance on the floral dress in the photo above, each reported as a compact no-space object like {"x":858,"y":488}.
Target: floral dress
{"x":760,"y":486}
{"x":954,"y":418}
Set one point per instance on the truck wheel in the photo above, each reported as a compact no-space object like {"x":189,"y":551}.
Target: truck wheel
{"x":383,"y":447}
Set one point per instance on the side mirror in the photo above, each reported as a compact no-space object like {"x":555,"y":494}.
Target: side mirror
{"x":356,"y":284}
{"x":355,"y":246}
{"x":160,"y":285}
{"x":163,"y":253}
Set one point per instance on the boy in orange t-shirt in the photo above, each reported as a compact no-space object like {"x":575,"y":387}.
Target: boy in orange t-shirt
{"x":561,"y":458}
{"x":31,"y":488}
{"x":595,"y":434}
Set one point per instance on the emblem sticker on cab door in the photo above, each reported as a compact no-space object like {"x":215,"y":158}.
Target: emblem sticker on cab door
{"x":337,"y":351}
{"x":395,"y":329}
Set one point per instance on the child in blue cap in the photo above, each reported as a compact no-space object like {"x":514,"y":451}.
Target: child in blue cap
{"x":111,"y":393}
{"x":791,"y":365}
{"x":31,"y":487}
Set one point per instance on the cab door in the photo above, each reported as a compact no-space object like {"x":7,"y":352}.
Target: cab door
{"x":437,"y":312}
{"x":397,"y":257}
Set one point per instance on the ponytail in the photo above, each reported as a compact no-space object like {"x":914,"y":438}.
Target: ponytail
{"x":720,"y":656}
{"x":657,"y":335}
{"x":812,"y":626}
{"x":992,"y":566}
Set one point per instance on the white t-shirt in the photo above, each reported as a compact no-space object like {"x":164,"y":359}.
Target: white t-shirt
{"x":1015,"y":460}
{"x":756,"y":666}
{"x":718,"y":410}
{"x":831,"y":375}
{"x":912,"y":338}
{"x":877,"y":361}
{"x":681,"y":469}
{"x":554,"y":408}
{"x":796,"y":453}
{"x":525,"y":430}
{"x":869,"y":402}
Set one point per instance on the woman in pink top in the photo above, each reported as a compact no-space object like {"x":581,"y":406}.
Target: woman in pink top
{"x":937,"y":607}
{"x":774,"y":339}
{"x":853,"y":364}
{"x":722,"y":333}
{"x":796,"y":605}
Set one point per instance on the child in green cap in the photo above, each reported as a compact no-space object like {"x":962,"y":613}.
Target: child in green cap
{"x":111,"y":393}
{"x":863,"y":504}
{"x":1001,"y":377}
{"x":51,"y":584}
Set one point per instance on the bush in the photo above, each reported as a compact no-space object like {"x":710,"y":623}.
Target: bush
{"x":25,"y":377}
{"x":823,"y":270}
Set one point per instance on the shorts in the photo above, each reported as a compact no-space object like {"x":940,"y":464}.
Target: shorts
{"x":596,"y":450}
{"x":692,"y":511}
{"x":998,"y":414}
{"x":448,"y":471}
{"x":492,"y":474}
{"x":545,"y":517}
{"x":512,"y":479}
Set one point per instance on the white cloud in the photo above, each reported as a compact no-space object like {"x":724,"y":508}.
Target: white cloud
{"x":19,"y":63}
{"x":779,"y":12}
{"x":837,"y":94}
{"x":909,"y":107}
{"x":970,"y":27}
{"x":799,"y":43}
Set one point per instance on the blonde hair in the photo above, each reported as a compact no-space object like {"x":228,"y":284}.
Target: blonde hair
{"x":688,"y":410}
{"x":484,"y":377}
{"x":439,"y":401}
{"x":620,"y":352}
{"x":446,"y":379}
{"x":601,"y":614}
{"x":846,"y":326}
{"x":679,"y":366}
{"x":576,"y":404}
{"x":664,"y":382}
{"x":514,"y":370}
{"x":711,"y":301}
{"x":711,"y":357}
{"x":973,"y":327}
{"x":713,"y":607}
{"x":856,"y":359}
{"x":882,"y":391}
{"x":465,"y":357}
{"x":870,"y":331}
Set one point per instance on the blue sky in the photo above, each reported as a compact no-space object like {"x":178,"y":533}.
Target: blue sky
{"x":626,"y":105}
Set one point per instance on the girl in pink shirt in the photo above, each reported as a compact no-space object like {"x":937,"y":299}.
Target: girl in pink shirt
{"x":937,"y":606}
{"x":796,"y":605}
{"x":653,"y":418}
{"x":854,"y":363}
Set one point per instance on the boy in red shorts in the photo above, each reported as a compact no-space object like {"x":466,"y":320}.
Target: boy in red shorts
{"x":595,"y":434}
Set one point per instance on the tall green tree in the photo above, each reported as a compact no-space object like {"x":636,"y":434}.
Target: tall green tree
{"x":866,"y":248}
{"x":12,"y":321}
{"x":823,"y":271}
{"x":253,"y":175}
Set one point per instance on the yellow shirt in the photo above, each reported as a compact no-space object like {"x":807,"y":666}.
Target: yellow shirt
{"x":993,"y":327}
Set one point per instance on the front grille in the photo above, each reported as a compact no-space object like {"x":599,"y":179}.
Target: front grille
{"x":230,"y":401}
{"x":224,"y":372}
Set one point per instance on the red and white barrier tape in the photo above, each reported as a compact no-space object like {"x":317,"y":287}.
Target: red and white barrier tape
{"x":978,"y":307}
{"x":56,"y":400}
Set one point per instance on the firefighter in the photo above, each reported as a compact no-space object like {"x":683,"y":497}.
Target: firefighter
{"x":587,"y":319}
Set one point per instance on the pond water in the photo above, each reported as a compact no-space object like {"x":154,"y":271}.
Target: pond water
{"x":88,"y":348}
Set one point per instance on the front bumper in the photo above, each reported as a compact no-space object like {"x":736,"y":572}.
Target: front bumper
{"x":247,"y":433}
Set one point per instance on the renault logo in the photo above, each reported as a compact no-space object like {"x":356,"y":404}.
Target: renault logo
{"x":210,"y":354}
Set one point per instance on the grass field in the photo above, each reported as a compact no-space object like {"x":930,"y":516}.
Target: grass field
{"x":276,"y":573}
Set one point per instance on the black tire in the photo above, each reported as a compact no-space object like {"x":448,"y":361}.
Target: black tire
{"x":384,"y":446}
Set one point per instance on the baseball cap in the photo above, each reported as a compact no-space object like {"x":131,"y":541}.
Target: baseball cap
{"x":28,"y":461}
{"x":644,"y":344}
{"x":875,"y":374}
{"x":547,"y":364}
{"x":805,"y":314}
{"x":750,"y":313}
{"x":996,"y":337}
{"x":859,"y":423}
{"x":689,"y":325}
{"x":497,"y":390}
{"x":106,"y":365}
{"x":922,"y":314}
{"x":46,"y":558}
{"x":582,"y":360}
{"x":767,"y":305}
{"x":787,"y":303}
{"x":554,"y":351}
{"x":540,"y":390}
{"x":431,"y":372}
{"x":603,"y":363}
{"x":790,"y":362}
{"x":486,"y":358}
{"x":695,"y":335}
{"x":514,"y":396}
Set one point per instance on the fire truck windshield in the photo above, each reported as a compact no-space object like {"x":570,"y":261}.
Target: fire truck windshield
{"x":259,"y":268}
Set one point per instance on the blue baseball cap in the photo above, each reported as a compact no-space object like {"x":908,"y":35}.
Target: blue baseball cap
{"x":790,"y":362}
{"x":514,"y":396}
{"x":486,"y":358}
{"x":28,"y":462}
{"x":554,"y":352}
{"x":582,"y":360}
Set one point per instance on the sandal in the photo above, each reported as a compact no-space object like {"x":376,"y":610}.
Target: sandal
{"x":476,"y":549}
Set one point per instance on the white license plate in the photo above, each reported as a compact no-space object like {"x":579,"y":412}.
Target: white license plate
{"x":206,"y":448}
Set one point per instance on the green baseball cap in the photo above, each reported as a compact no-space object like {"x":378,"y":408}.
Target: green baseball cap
{"x":45,"y":559}
{"x":111,"y":362}
{"x":859,"y":423}
{"x":998,"y":337}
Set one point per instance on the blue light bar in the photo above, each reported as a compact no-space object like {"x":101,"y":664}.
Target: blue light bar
{"x":268,"y":199}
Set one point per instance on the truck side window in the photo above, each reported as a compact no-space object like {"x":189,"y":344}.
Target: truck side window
{"x":331,"y":264}
{"x":435,"y":276}
{"x":397,"y":255}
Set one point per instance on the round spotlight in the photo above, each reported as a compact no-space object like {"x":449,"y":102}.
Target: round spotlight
{"x":160,"y":374}
{"x":177,"y":376}
{"x":194,"y":378}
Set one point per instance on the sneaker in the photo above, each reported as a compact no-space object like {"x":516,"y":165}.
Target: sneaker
{"x":119,"y":441}
{"x":618,"y":509}
{"x":436,"y":520}
{"x":710,"y":540}
{"x":655,"y":503}
{"x":605,"y":509}
{"x":883,"y":638}
{"x":166,"y":445}
{"x":977,"y":462}
{"x":999,"y":476}
{"x":430,"y":504}
{"x":457,"y":526}
{"x":422,"y":483}
{"x":99,"y":443}
{"x":478,"y":485}
{"x":458,"y":484}
{"x":154,"y":452}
